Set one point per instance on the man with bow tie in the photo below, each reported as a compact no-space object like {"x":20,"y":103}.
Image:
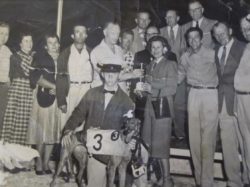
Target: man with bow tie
{"x":102,"y":107}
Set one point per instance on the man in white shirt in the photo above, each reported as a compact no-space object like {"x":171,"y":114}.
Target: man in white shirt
{"x":196,"y":11}
{"x":109,"y":51}
{"x":75,"y":73}
{"x":228,"y":56}
{"x":5,"y":54}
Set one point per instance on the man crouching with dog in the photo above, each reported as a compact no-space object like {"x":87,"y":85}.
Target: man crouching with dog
{"x":102,"y":107}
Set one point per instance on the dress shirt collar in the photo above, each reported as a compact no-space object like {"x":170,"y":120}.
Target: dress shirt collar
{"x":199,"y":21}
{"x":175,"y":29}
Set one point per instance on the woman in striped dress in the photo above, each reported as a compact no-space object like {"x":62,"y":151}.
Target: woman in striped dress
{"x":17,"y":114}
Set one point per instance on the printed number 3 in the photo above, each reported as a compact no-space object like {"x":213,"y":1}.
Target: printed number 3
{"x":98,"y":141}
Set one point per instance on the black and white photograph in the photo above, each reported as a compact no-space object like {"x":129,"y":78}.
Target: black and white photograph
{"x":124,"y":93}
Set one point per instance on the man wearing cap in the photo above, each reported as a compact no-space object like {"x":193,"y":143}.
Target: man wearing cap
{"x":242,"y":88}
{"x":75,"y":73}
{"x":196,"y":10}
{"x":101,"y":107}
{"x":198,"y":67}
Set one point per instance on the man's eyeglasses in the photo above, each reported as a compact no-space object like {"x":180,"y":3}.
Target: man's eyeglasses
{"x":195,"y":10}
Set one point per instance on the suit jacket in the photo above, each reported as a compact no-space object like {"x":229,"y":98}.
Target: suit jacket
{"x":91,"y":110}
{"x":138,"y":43}
{"x":206,"y":27}
{"x":62,"y":78}
{"x":179,"y":45}
{"x":163,"y":77}
{"x":226,"y":78}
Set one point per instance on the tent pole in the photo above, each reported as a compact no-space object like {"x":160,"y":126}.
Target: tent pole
{"x":59,"y":18}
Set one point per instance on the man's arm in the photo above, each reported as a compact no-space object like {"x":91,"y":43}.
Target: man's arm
{"x":182,"y":68}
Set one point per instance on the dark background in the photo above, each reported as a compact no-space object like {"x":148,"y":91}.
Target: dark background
{"x":39,"y":16}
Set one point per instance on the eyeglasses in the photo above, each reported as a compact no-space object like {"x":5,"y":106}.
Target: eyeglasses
{"x":195,"y":10}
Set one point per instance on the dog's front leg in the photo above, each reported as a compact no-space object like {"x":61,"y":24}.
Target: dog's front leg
{"x":111,"y":169}
{"x":122,"y":171}
{"x":80,"y":153}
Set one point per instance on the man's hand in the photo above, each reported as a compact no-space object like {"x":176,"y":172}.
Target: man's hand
{"x":132,"y":144}
{"x":138,"y":73}
{"x":63,"y":108}
{"x":66,"y":140}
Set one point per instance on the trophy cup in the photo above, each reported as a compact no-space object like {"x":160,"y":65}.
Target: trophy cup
{"x":140,"y":84}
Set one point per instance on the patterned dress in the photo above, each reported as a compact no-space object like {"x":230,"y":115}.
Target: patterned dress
{"x":17,"y":114}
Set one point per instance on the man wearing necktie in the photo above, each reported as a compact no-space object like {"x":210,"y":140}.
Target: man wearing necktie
{"x":228,"y":56}
{"x":173,"y":32}
{"x":196,"y":10}
{"x":142,"y":21}
{"x":102,"y":107}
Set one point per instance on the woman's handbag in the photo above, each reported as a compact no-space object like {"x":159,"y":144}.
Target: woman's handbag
{"x":161,"y":107}
{"x":44,"y":98}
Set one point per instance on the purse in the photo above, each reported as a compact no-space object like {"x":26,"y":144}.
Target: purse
{"x":44,"y":98}
{"x":161,"y":107}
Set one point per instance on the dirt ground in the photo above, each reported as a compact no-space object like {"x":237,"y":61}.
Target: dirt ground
{"x":30,"y":179}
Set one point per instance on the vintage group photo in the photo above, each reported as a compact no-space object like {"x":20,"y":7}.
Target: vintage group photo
{"x":124,"y":93}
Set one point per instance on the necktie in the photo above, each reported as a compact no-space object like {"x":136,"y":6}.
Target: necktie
{"x":172,"y":37}
{"x":197,"y":24}
{"x":153,"y":66}
{"x":223,"y":58}
{"x":108,"y":91}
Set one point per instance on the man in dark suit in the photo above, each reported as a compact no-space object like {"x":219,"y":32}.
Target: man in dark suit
{"x":102,"y":107}
{"x":228,"y":56}
{"x":173,"y":32}
{"x":142,"y":21}
{"x":196,"y":11}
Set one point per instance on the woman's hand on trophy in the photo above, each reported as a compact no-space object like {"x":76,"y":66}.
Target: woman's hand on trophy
{"x":147,"y":87}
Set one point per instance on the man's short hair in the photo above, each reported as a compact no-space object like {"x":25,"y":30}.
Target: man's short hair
{"x":78,"y":23}
{"x":128,"y":32}
{"x":113,"y":22}
{"x":143,"y":11}
{"x":150,"y":26}
{"x":172,"y":9}
{"x":193,"y":29}
{"x":50,"y":35}
{"x":217,"y":24}
{"x":4,"y":24}
{"x":195,"y":1}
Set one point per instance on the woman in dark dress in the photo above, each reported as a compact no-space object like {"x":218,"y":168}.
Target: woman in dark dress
{"x":44,"y":127}
{"x":161,"y":83}
{"x":19,"y":104}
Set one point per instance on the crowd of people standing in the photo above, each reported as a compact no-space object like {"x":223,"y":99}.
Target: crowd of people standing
{"x":195,"y":74}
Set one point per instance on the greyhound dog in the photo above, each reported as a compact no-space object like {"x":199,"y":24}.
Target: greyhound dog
{"x":78,"y":149}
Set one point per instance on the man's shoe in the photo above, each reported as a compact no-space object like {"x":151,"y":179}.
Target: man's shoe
{"x":246,"y":185}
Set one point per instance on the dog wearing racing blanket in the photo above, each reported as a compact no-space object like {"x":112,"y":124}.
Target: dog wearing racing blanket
{"x":78,"y":149}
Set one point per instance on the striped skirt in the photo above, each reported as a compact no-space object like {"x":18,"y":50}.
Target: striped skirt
{"x":17,"y":114}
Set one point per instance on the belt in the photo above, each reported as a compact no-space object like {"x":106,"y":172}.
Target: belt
{"x":242,"y":93}
{"x":82,"y":82}
{"x":203,"y":87}
{"x":3,"y":83}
